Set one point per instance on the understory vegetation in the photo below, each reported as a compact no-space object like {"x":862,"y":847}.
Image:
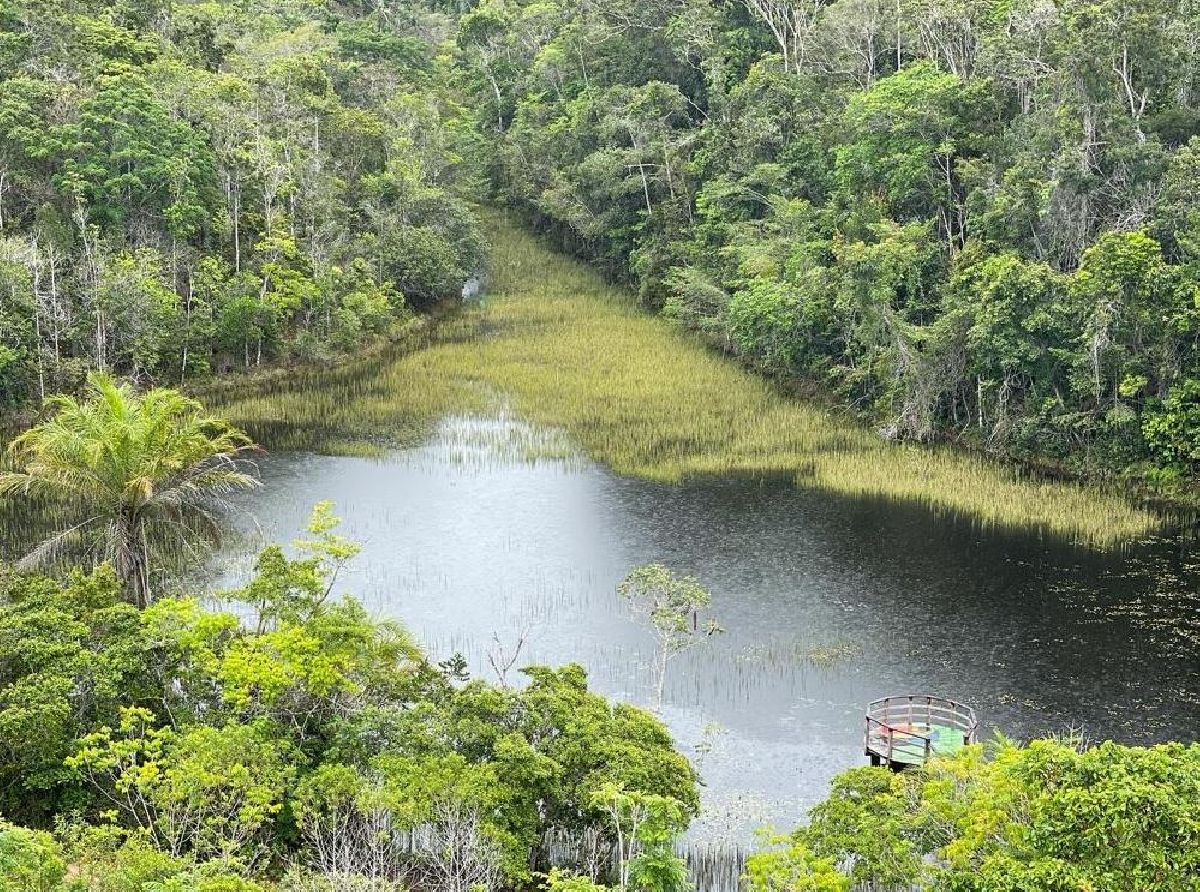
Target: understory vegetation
{"x":970,"y":221}
{"x":570,"y":352}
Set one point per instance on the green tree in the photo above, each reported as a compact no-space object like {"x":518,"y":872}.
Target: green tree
{"x":1171,"y":427}
{"x":790,"y":866}
{"x":30,"y":860}
{"x":136,"y":474}
{"x":903,"y":137}
{"x":134,"y":158}
{"x":671,"y":603}
{"x":645,"y":827}
{"x":209,"y":792}
{"x":1127,"y":293}
{"x":71,"y":654}
{"x":188,"y":747}
{"x":1045,"y":817}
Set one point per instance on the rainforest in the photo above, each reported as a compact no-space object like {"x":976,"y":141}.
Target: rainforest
{"x":510,"y":445}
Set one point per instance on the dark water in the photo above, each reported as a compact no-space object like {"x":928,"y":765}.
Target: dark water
{"x":828,"y":603}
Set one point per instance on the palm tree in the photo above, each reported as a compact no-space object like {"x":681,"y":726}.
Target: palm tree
{"x":137,"y":474}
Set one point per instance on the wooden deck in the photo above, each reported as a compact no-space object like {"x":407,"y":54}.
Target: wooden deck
{"x":913,"y":728}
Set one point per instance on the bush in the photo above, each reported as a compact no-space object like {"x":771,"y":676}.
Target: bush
{"x":1046,"y":817}
{"x":30,"y":860}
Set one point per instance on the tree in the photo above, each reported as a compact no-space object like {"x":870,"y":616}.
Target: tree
{"x":937,"y":143}
{"x":70,"y":654}
{"x":902,"y":139}
{"x":671,"y":603}
{"x":645,"y":827}
{"x":178,"y":195}
{"x":1177,"y":223}
{"x":136,"y":475}
{"x":106,"y":859}
{"x":791,"y":24}
{"x":1171,"y":429}
{"x":23,"y":136}
{"x":134,"y":159}
{"x":1126,"y":294}
{"x":207,"y":792}
{"x":1045,"y":817}
{"x":143,"y":316}
{"x":30,"y":860}
{"x":481,"y":33}
{"x":1008,"y":316}
{"x":790,"y":866}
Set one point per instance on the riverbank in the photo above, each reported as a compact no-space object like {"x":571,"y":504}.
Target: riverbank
{"x":571,"y":352}
{"x":304,"y":431}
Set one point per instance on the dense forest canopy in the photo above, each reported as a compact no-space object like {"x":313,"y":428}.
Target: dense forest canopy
{"x":975,"y":221}
{"x":971,"y":220}
{"x":197,"y":186}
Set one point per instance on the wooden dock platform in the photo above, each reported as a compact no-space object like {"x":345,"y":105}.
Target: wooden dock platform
{"x":910,"y":729}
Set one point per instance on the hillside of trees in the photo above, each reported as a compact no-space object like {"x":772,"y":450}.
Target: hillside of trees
{"x":966,"y":220}
{"x":189,"y":188}
{"x":961,"y":220}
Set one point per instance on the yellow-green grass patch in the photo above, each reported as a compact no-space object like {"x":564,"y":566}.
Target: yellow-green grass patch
{"x":566,"y":350}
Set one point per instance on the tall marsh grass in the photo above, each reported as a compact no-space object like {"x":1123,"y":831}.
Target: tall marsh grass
{"x":568,"y":351}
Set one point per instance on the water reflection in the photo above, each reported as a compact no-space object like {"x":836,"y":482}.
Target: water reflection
{"x":828,"y":603}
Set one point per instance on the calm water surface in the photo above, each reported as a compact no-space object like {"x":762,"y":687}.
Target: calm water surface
{"x":828,"y":603}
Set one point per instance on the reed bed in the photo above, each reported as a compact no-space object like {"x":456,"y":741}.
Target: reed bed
{"x":568,"y":351}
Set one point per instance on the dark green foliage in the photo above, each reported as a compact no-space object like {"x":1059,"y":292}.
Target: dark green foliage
{"x":70,"y":654}
{"x":189,"y":188}
{"x":964,"y":221}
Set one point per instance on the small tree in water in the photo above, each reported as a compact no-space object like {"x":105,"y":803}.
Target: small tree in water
{"x":672,"y":604}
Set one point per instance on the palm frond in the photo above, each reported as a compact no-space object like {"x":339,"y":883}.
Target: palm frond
{"x":57,"y":547}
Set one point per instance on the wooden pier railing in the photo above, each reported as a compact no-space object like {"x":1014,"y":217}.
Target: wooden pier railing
{"x":911,"y":728}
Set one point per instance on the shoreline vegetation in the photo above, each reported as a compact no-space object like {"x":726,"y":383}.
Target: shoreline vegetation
{"x":285,"y":740}
{"x":569,"y":351}
{"x":968,"y":222}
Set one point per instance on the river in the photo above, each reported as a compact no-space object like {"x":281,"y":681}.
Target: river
{"x":827,"y":602}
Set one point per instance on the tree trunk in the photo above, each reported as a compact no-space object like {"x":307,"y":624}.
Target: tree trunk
{"x":661,"y":681}
{"x":187,"y":335}
{"x":132,"y":560}
{"x":237,"y":236}
{"x":37,"y":325}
